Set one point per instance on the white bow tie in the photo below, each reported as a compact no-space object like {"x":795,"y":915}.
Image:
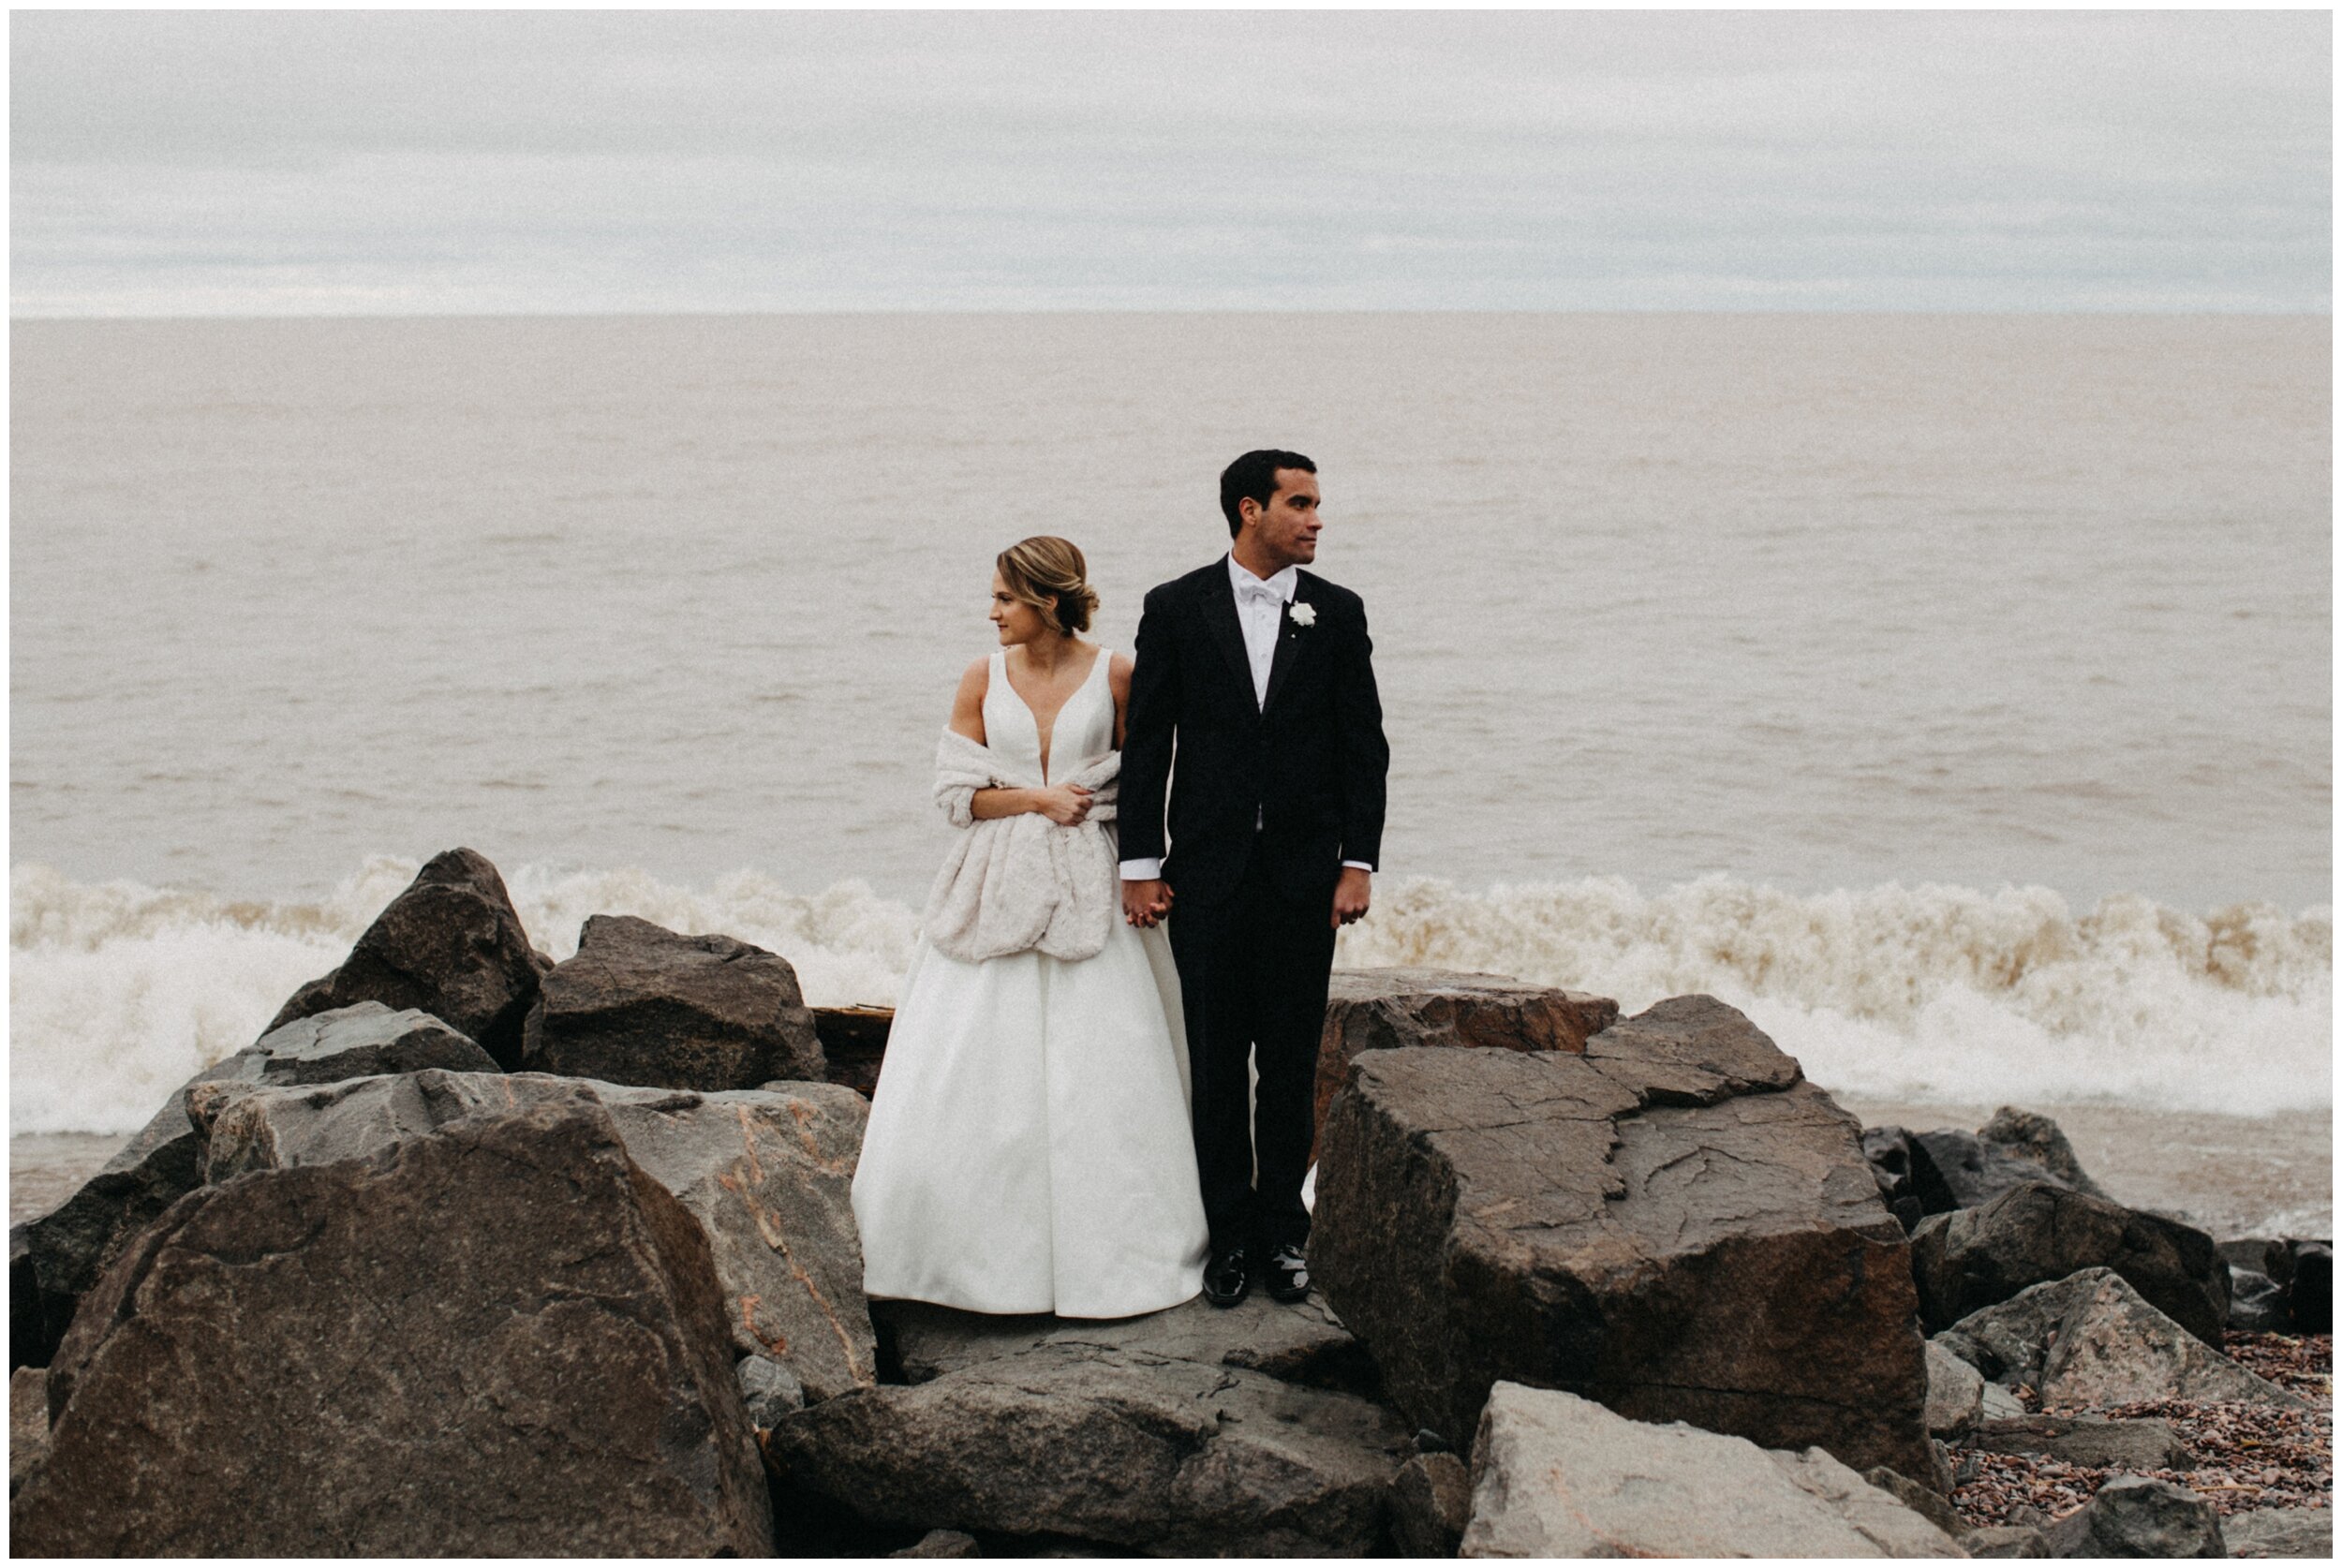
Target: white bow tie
{"x":1257,"y":592}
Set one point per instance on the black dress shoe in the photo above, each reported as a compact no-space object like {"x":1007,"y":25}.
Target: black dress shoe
{"x":1227,"y":1277}
{"x":1288,"y":1273}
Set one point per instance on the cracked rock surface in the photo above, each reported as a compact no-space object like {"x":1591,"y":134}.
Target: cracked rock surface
{"x":640,"y":1004}
{"x":1674,"y":1224}
{"x":501,"y":1338}
{"x":450,"y":945}
{"x":767,"y":1174}
{"x":1555,"y":1475}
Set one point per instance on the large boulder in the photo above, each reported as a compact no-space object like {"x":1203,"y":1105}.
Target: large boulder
{"x":640,"y":1004}
{"x":1554,"y":1475}
{"x":500,"y":1340}
{"x":1975,"y":1257}
{"x":66,"y":1250}
{"x":1974,"y":1172}
{"x":2136,"y":1515}
{"x":2114,"y":1348}
{"x":767,"y":1174}
{"x":2030,"y":1135}
{"x":1393,"y":1009}
{"x":1674,"y":1224}
{"x":2007,"y":1341}
{"x":450,"y":945}
{"x":1158,"y":1445}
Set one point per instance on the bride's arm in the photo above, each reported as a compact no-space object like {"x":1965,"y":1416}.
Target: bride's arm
{"x":1064,"y":806}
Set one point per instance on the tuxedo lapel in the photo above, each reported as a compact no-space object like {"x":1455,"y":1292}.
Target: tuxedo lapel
{"x":1289,"y":635}
{"x":1220,"y":615}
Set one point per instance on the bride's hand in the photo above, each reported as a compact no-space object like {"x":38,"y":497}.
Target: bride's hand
{"x":1066,"y":804}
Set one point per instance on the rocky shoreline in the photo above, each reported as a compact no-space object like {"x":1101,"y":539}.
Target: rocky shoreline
{"x":472,"y":1252}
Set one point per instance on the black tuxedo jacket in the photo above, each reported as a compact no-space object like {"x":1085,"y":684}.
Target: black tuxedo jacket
{"x":1308,"y":766}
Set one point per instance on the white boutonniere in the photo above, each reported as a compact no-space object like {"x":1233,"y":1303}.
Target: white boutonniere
{"x":1303,"y":614}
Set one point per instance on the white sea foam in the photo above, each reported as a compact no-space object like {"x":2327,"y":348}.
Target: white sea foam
{"x":119,"y":992}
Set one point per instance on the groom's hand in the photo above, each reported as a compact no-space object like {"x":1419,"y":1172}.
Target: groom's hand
{"x":1146,"y":902}
{"x":1352,"y":894}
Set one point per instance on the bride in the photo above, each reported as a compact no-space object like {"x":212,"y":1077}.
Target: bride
{"x":1028,"y":1146}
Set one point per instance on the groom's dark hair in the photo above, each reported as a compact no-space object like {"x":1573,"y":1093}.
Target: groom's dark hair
{"x":1254,"y":475}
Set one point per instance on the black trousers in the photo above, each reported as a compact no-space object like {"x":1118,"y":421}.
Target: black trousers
{"x":1252,"y":974}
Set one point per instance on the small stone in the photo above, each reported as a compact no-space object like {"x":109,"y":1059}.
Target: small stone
{"x":770,"y":1391}
{"x":942,"y":1543}
{"x":2256,"y":1303}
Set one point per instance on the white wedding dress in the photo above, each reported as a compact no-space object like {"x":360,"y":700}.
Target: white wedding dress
{"x":1028,"y":1146}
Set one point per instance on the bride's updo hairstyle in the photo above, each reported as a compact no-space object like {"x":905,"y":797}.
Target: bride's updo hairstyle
{"x":1049,"y":574}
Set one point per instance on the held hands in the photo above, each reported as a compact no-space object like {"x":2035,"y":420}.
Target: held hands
{"x":1144,"y":903}
{"x":1066,"y":804}
{"x":1352,"y":894}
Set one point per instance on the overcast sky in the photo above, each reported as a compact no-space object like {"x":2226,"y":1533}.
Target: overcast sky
{"x":298,"y":163}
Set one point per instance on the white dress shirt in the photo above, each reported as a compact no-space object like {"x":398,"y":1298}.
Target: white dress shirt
{"x":1260,"y":610}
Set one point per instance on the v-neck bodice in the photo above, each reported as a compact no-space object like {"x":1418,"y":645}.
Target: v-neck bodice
{"x":1082,"y":732}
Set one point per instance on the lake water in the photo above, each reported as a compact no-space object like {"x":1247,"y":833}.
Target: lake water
{"x":1951,"y":693}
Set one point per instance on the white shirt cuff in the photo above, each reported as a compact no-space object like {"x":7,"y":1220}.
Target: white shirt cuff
{"x":1142,"y":870}
{"x":1359,"y":864}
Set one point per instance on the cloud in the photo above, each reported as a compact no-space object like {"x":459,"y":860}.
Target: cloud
{"x":303,"y":161}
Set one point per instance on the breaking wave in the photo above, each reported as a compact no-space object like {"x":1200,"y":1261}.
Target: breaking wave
{"x":119,"y":992}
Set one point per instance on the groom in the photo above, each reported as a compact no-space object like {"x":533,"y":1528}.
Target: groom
{"x":1258,"y":676}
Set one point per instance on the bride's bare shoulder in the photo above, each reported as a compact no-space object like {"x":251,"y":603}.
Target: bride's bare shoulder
{"x":967,"y":701}
{"x":1119,"y":669}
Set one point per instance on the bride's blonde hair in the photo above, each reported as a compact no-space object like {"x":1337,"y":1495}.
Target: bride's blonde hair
{"x":1049,"y":574}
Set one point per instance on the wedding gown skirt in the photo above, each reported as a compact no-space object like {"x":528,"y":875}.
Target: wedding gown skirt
{"x":1028,"y":1146}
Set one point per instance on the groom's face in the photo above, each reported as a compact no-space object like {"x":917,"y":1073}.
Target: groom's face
{"x":1289,"y":523}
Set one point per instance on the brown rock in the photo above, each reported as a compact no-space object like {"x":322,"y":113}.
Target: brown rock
{"x":1673,"y":1223}
{"x":2114,"y":1348}
{"x":503,"y":1340}
{"x":28,"y":1423}
{"x":853,"y":1044}
{"x":450,"y":945}
{"x":1431,"y":1504}
{"x":639,"y":1004}
{"x":1390,"y":1008}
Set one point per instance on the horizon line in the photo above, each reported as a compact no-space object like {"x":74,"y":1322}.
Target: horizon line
{"x":2325,"y":312}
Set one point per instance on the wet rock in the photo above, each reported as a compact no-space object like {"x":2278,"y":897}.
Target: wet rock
{"x":769,"y":1390}
{"x":2114,"y":1348}
{"x":1303,"y":1343}
{"x":639,"y":1004}
{"x":1555,"y":1475}
{"x":853,"y":1044}
{"x":2256,"y":1304}
{"x":1673,"y":1223}
{"x":1976,"y":1257}
{"x":499,"y":1340}
{"x":28,"y":1423}
{"x":1164,"y":1457}
{"x":2098,"y":1442}
{"x":2309,"y":1292}
{"x":2005,"y":1541}
{"x":767,"y":1174}
{"x":942,"y":1543}
{"x":2132,"y":1515}
{"x":1430,"y":1506}
{"x":1391,"y":1009}
{"x":452,"y":946}
{"x":2279,"y":1532}
{"x":1955,"y":1394}
{"x":2029,"y":1135}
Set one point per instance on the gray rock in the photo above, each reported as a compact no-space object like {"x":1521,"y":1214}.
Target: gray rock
{"x":2256,"y":1303}
{"x":450,"y":945}
{"x":1393,"y":1009}
{"x":1430,"y":1506}
{"x":1955,"y":1394}
{"x":1975,"y":1258}
{"x":2132,"y":1515}
{"x":1908,"y":1182}
{"x":1303,"y":1343}
{"x":1974,"y":1172}
{"x":364,"y":1040}
{"x":1673,"y":1223}
{"x":639,"y":1004}
{"x":2101,"y":1442}
{"x":2005,"y":1541}
{"x":2113,"y":1348}
{"x":1999,"y":1404}
{"x":767,"y":1173}
{"x":769,"y":1390}
{"x":2029,"y":1135}
{"x":2007,"y":1341}
{"x":942,"y":1543}
{"x":1163,"y":1456}
{"x":1928,"y":1503}
{"x":1555,"y":1475}
{"x":28,"y":1423}
{"x":2279,"y":1532}
{"x":501,"y":1340}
